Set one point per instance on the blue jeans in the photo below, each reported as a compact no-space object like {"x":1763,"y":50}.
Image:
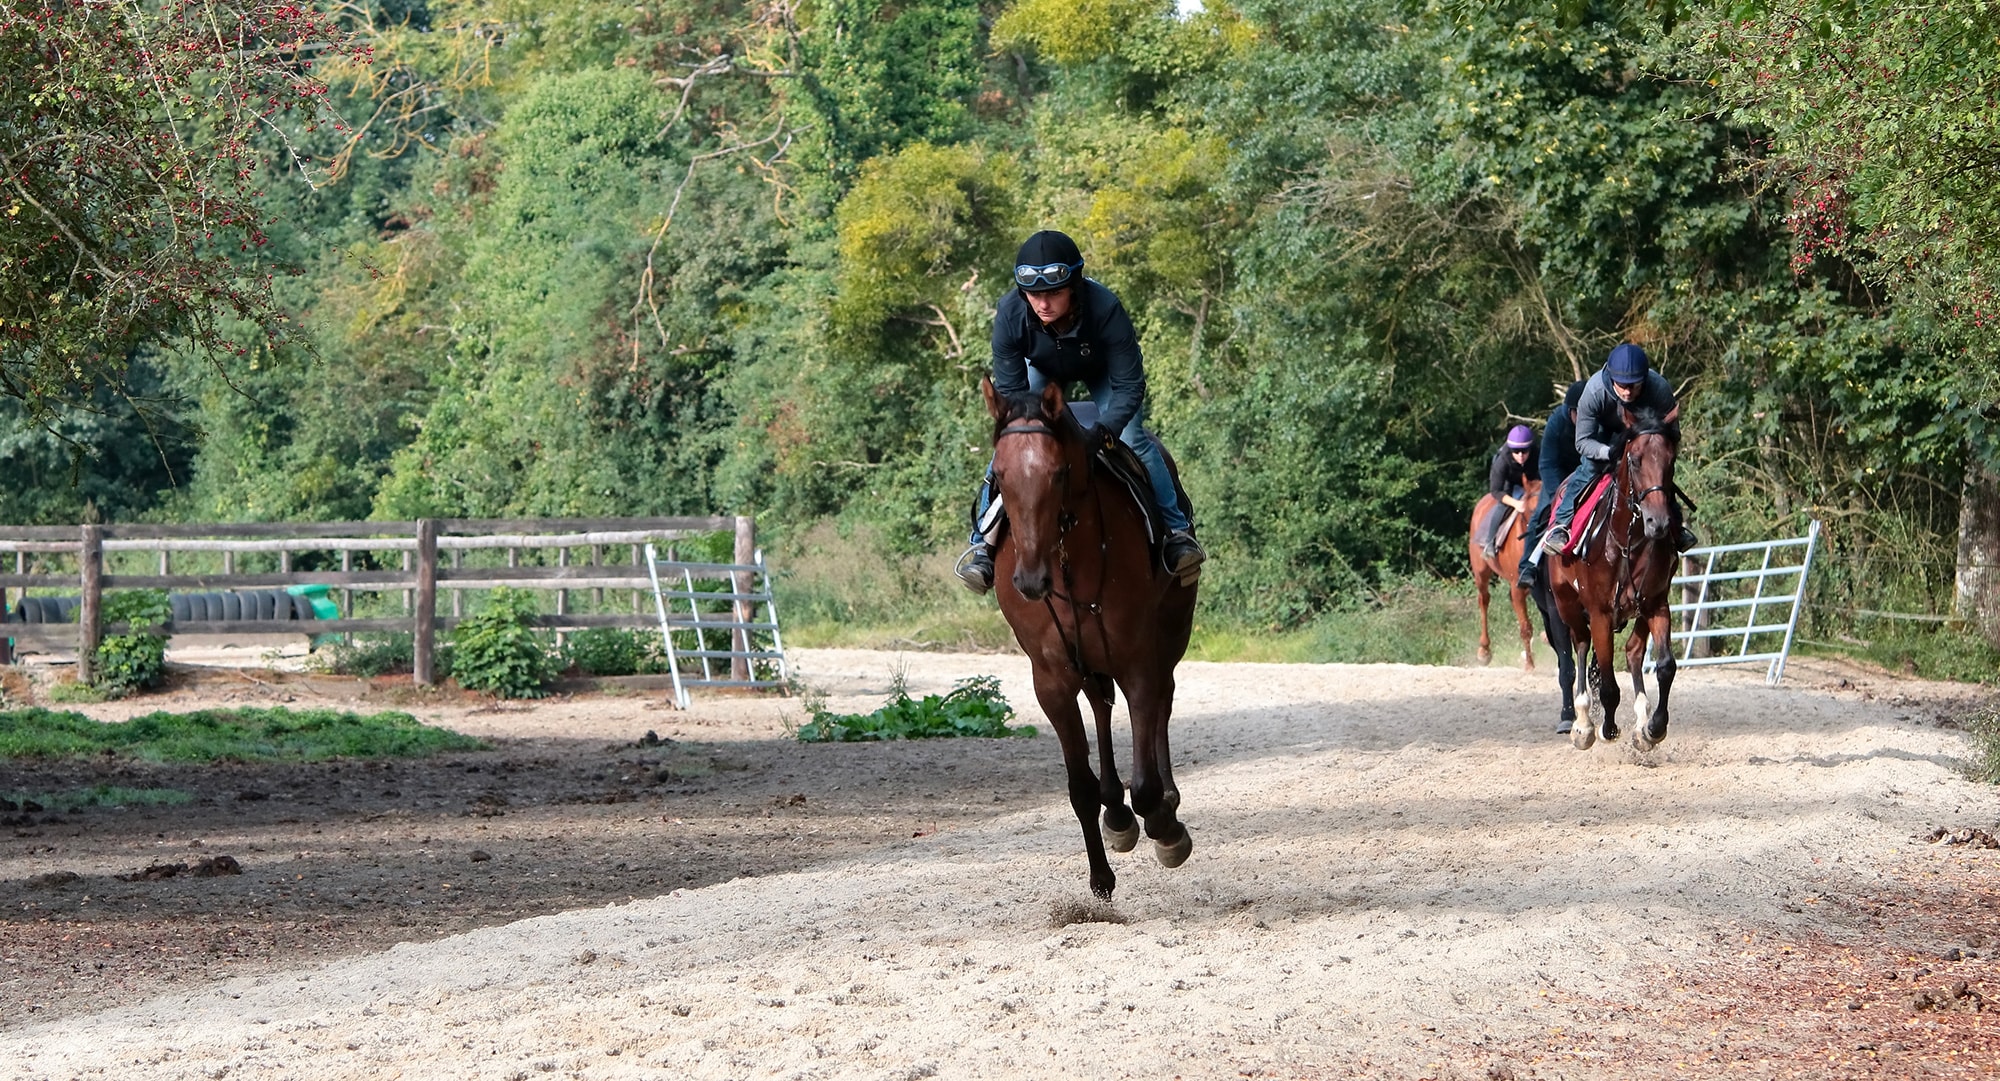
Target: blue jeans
{"x":1135,"y":436}
{"x":1587,"y":472}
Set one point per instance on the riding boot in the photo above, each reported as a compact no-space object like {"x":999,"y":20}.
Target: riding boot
{"x":975,"y":567}
{"x":1183,"y":552}
{"x":1686,"y":540}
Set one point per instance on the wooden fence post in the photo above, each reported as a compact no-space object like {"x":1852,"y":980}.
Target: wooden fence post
{"x":744,"y":582}
{"x":425,"y":637}
{"x":90,"y":559}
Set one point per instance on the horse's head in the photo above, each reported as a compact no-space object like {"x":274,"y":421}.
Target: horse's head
{"x":1649,"y":455}
{"x":1036,"y":450}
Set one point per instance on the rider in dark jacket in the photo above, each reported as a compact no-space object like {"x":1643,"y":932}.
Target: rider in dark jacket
{"x":1559,"y":460}
{"x":1060,"y":327}
{"x":1507,"y":481}
{"x":1626,"y":383}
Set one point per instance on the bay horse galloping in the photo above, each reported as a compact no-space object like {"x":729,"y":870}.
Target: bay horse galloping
{"x":1505,"y":565}
{"x":1624,"y":574}
{"x":1077,"y":579}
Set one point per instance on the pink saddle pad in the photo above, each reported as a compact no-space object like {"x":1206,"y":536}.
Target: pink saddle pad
{"x":1585,"y":507}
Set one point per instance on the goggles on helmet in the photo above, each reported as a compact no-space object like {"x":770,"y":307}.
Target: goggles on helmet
{"x":1054,"y":274}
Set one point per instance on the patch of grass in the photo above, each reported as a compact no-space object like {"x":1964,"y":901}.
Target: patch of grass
{"x":974,"y":708}
{"x":847,"y":588}
{"x":103,"y":795}
{"x":1410,"y":622}
{"x":1945,"y":653}
{"x":71,"y":692}
{"x":236,"y":735}
{"x":370,"y":655}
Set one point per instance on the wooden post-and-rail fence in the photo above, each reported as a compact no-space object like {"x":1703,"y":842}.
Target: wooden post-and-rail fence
{"x":415,"y":546}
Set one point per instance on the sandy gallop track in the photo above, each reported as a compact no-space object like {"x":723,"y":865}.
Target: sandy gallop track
{"x":1398,"y":872}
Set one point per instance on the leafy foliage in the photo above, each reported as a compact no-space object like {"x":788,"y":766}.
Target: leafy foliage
{"x":232,"y":735}
{"x":499,"y":651}
{"x":137,"y":659}
{"x":130,"y":136}
{"x":974,"y":707}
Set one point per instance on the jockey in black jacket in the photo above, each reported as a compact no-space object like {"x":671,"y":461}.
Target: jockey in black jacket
{"x":1060,"y":327}
{"x":1559,"y":460}
{"x":1507,"y":480}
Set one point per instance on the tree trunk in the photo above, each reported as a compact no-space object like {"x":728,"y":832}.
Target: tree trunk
{"x":1979,"y":549}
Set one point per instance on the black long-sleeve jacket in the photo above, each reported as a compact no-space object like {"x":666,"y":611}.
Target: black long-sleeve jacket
{"x":1100,"y":343}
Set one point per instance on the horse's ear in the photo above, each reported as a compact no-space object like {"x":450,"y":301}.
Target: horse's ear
{"x":1052,"y":400}
{"x":994,"y":405}
{"x":1673,"y":416}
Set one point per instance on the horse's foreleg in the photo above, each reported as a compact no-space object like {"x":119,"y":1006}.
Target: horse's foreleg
{"x":1519,"y":596}
{"x":1651,"y":729}
{"x":1058,"y":699}
{"x":1154,"y":796}
{"x":1121,"y":830}
{"x":1635,"y":666}
{"x":1602,"y":643}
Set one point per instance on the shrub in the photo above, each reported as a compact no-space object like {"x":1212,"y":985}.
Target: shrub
{"x":137,"y":659}
{"x":612,"y":651}
{"x":499,"y":651}
{"x":974,"y":707}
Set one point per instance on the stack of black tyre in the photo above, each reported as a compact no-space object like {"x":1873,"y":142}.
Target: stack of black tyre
{"x":44,"y":610}
{"x":253,"y":605}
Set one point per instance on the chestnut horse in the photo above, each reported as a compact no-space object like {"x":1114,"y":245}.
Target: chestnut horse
{"x":1625,"y":574}
{"x":1091,"y":605}
{"x":1505,"y":565}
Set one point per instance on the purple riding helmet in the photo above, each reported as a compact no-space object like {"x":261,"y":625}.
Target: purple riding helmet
{"x":1519,"y":437}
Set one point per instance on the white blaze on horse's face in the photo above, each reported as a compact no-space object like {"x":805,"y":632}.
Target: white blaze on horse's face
{"x":1032,"y":468}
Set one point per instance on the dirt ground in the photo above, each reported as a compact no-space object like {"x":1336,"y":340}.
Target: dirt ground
{"x":1398,"y":872}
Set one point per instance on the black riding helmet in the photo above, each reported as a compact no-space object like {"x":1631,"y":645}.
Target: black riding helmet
{"x":1048,"y":260}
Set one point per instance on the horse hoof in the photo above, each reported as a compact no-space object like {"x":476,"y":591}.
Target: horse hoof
{"x":1121,"y":840}
{"x":1102,"y":889}
{"x":1485,"y":656}
{"x":1173,"y":855}
{"x":1564,"y":726}
{"x":1583,"y":735}
{"x":1610,"y":733}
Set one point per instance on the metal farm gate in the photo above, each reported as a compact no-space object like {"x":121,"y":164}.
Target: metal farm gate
{"x":1742,"y":605}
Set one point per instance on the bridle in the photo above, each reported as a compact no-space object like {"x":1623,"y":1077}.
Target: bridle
{"x":1635,"y":534}
{"x":1065,"y":521}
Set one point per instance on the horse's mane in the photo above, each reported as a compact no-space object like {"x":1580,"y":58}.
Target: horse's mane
{"x":1026,"y":406}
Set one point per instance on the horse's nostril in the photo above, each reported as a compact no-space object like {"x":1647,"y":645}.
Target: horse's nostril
{"x":1032,"y":586}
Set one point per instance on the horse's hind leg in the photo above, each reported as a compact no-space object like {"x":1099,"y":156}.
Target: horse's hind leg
{"x":1485,"y":639}
{"x":1058,"y":699}
{"x":1121,"y":830}
{"x":1583,"y":733}
{"x":1520,"y":598}
{"x":1154,"y":796}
